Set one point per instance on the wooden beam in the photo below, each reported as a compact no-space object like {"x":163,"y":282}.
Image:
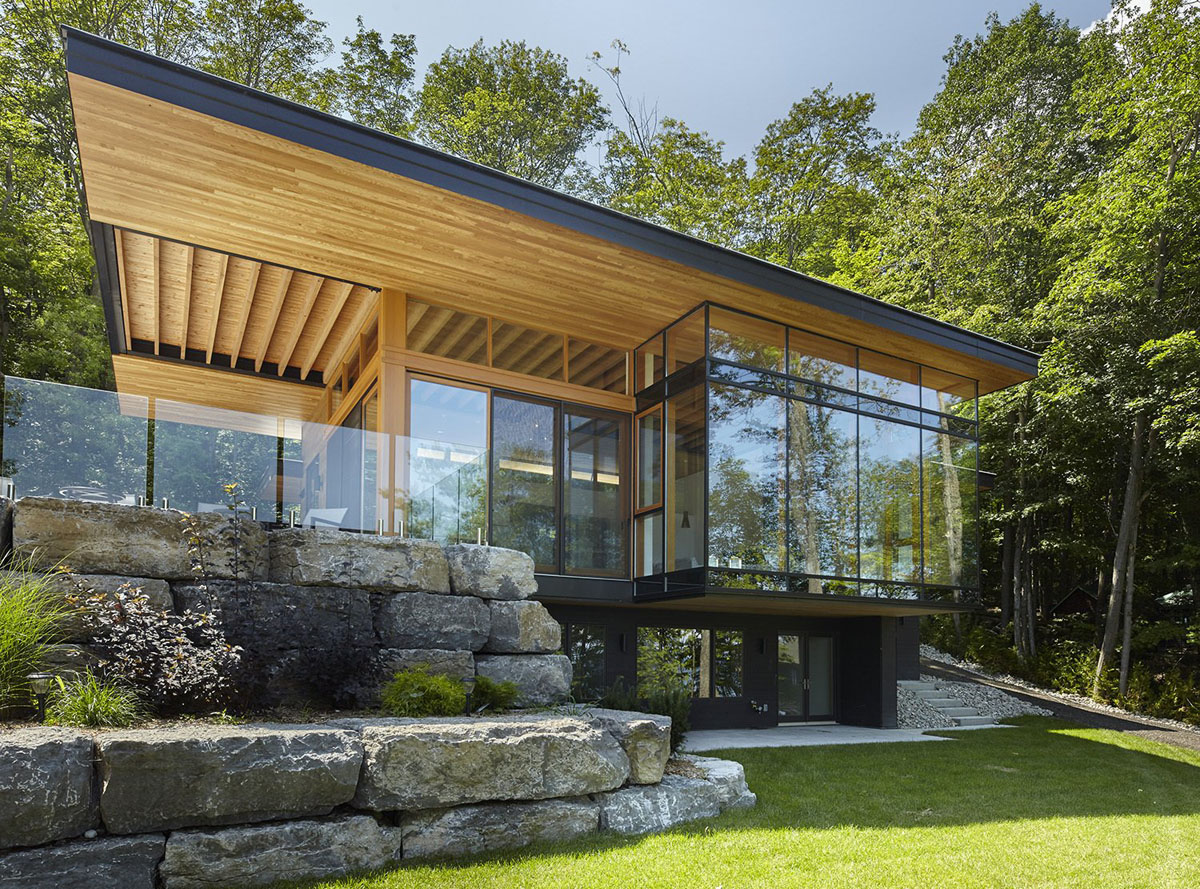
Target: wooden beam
{"x":187,"y":298}
{"x":155,"y":291}
{"x":120,"y":239}
{"x":293,"y":336}
{"x":214,"y":387}
{"x":218,"y":291}
{"x":354,"y":329}
{"x":322,"y":333}
{"x":272,"y":318}
{"x":244,"y":319}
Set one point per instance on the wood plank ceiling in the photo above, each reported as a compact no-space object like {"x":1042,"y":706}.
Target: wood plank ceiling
{"x":222,"y":309}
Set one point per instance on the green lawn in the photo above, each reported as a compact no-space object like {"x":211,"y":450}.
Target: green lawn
{"x":1045,"y":804}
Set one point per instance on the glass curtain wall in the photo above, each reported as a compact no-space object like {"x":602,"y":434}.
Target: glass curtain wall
{"x":831,"y":469}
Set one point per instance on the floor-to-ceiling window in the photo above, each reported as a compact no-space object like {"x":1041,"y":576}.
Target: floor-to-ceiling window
{"x":830,"y":468}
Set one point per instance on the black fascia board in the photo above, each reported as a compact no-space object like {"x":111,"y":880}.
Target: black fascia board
{"x":140,"y":72}
{"x":104,"y":249}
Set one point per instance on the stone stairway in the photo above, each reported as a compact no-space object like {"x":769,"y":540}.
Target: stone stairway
{"x":937,"y":698}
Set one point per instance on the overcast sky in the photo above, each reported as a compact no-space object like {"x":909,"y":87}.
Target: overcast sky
{"x":726,"y":67}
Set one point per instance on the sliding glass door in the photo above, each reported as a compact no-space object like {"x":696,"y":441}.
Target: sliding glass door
{"x":805,"y":678}
{"x":558,"y":485}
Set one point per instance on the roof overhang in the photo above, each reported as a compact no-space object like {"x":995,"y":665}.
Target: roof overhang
{"x":183,"y":156}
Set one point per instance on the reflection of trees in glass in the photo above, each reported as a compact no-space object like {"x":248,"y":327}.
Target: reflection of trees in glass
{"x":667,"y":657}
{"x":594,"y":523}
{"x":727,"y":346}
{"x":746,"y":478}
{"x":950,"y":490}
{"x":709,"y":662}
{"x":822,"y":491}
{"x":585,"y":648}
{"x":192,"y":464}
{"x":58,"y":436}
{"x":889,"y":500}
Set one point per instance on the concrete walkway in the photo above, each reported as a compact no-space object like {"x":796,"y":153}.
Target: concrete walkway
{"x":808,"y":736}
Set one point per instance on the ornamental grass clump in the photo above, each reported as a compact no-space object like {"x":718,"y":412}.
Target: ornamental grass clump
{"x":418,"y":693}
{"x":92,"y":702}
{"x":31,"y":613}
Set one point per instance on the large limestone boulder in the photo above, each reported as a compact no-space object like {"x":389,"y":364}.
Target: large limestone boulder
{"x":365,"y":687}
{"x":45,"y":786}
{"x":327,"y":557}
{"x":729,"y":778}
{"x":655,"y":807}
{"x":6,"y":523}
{"x":106,"y":538}
{"x":160,"y":779}
{"x":437,"y":763}
{"x":106,"y":863}
{"x":302,"y":643}
{"x":490,"y":572}
{"x":542,"y":678}
{"x":294,"y":850}
{"x":423,"y":620}
{"x":277,"y":616}
{"x":489,"y":827}
{"x":645,"y":738}
{"x":522,"y":627}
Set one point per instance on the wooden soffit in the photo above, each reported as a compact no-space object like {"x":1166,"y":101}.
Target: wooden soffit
{"x":194,"y":303}
{"x":221,"y":177}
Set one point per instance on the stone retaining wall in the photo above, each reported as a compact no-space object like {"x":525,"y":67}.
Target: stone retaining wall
{"x":325,"y":617}
{"x":204,"y":806}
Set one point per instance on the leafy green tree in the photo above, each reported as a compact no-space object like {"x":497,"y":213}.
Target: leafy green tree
{"x":375,"y":81}
{"x":814,"y":181}
{"x":664,"y":172}
{"x":511,"y":107}
{"x":271,"y":45}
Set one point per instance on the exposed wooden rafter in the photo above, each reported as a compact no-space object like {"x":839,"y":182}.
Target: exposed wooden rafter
{"x":177,"y":297}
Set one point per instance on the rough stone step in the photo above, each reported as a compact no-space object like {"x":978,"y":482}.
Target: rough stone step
{"x":916,"y":684}
{"x":939,"y":703}
{"x":974,"y":720}
{"x":927,"y":693}
{"x":958,"y":712}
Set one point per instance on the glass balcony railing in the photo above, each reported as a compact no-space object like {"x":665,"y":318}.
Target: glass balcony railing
{"x":84,"y":444}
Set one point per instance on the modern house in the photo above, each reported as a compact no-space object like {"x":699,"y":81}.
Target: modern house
{"x":724,"y":470}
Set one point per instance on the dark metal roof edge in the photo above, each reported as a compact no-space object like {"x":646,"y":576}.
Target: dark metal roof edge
{"x":104,"y":250}
{"x":140,"y":72}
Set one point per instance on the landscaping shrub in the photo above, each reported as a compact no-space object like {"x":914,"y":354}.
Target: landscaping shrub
{"x":90,"y":701}
{"x":30,"y":615}
{"x":178,"y":662}
{"x":417,"y":692}
{"x":492,"y":695}
{"x":674,"y":700}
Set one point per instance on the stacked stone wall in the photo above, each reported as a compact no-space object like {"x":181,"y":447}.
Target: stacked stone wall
{"x":324,"y":617}
{"x":193,"y":806}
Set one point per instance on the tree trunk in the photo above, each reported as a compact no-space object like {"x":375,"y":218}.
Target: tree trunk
{"x":1007,"y":549}
{"x":1127,"y":636}
{"x":1125,"y":532}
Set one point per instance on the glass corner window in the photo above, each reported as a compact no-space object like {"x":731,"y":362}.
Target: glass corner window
{"x":649,"y":364}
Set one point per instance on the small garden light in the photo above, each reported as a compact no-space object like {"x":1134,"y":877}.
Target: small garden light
{"x":469,"y":687}
{"x":39,"y":684}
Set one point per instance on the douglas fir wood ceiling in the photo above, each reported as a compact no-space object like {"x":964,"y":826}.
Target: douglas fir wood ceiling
{"x":177,"y":297}
{"x":179,"y":154}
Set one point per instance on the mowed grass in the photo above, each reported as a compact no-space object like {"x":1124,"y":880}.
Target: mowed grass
{"x":1043,"y":804}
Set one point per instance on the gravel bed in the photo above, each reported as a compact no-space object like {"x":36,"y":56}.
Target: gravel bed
{"x":933,"y":654}
{"x":913,"y":712}
{"x":987,"y":700}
